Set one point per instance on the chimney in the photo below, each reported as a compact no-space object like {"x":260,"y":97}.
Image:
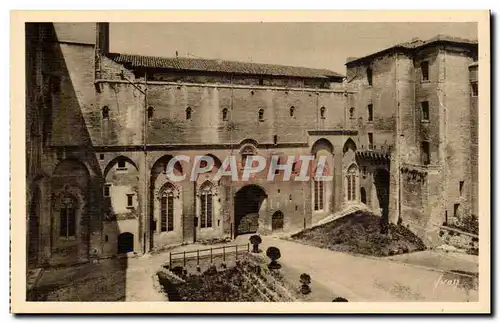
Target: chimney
{"x":102,"y":38}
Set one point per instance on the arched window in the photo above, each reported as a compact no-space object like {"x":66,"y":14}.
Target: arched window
{"x":292,"y":111}
{"x":67,"y":219}
{"x":224,"y":114}
{"x":351,"y":113}
{"x":246,"y":151}
{"x":319,"y":195}
{"x":206,"y":205}
{"x":369,"y":76}
{"x":351,"y":178}
{"x":151,"y":111}
{"x":105,"y":113}
{"x":322,"y":112}
{"x":261,"y":115}
{"x":167,"y":209}
{"x":189,"y":113}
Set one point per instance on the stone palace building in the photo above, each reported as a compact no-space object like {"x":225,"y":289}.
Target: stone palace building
{"x":398,"y":131}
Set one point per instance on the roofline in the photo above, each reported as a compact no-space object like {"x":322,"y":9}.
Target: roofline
{"x":325,"y":76}
{"x":405,"y":47}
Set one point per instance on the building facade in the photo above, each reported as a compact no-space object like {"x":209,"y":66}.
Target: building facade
{"x":102,"y":128}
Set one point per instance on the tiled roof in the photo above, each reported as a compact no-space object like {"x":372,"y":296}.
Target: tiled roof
{"x":220,"y":66}
{"x":417,"y":43}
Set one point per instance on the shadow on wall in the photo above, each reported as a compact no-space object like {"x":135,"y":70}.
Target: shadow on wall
{"x":67,"y":215}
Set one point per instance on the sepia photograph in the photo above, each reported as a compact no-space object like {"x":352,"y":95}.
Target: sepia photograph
{"x":300,"y":162}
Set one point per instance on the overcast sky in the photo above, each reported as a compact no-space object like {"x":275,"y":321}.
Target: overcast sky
{"x":317,"y":45}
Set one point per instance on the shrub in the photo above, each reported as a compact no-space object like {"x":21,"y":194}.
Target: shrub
{"x":340,"y":299}
{"x":305,"y":280}
{"x":255,"y":240}
{"x":274,"y":254}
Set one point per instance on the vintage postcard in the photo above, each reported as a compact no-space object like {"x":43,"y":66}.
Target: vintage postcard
{"x":170,"y":162}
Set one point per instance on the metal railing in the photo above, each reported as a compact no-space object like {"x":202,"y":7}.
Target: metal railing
{"x":208,"y":253}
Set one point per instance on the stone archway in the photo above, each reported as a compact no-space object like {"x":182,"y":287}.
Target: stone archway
{"x":125,"y":242}
{"x":249,"y":204}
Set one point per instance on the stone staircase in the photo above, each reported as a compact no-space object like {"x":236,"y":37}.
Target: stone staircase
{"x":348,"y":209}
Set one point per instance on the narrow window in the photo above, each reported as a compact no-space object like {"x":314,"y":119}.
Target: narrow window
{"x":101,"y":156}
{"x":474,"y":89}
{"x":370,"y":140}
{"x":425,"y":111}
{"x":261,"y":115}
{"x":105,"y":113}
{"x":351,"y":182}
{"x":107,"y":189}
{"x":426,"y":160}
{"x":122,"y":164}
{"x":130,"y":200}
{"x":292,"y":111}
{"x":150,"y":113}
{"x":322,"y":112}
{"x":351,"y":113}
{"x":294,"y":167}
{"x":206,"y":209}
{"x":67,"y":219}
{"x":275,"y":139}
{"x":455,"y":209}
{"x":370,"y":112}
{"x":424,"y":66}
{"x":369,"y":76}
{"x":167,"y":212}
{"x":188,"y":113}
{"x":461,"y":187}
{"x":224,"y":114}
{"x":318,"y":195}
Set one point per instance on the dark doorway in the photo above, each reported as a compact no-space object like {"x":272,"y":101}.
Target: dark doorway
{"x":248,"y":203}
{"x":363,"y":195}
{"x":381,"y":180}
{"x":277,"y":221}
{"x":33,"y":228}
{"x":125,"y":242}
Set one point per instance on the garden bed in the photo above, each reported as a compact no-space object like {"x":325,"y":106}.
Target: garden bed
{"x":360,"y":233}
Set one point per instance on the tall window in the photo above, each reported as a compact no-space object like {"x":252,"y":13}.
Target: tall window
{"x":261,"y":115}
{"x":369,"y":76}
{"x":370,"y":112}
{"x":426,"y":158}
{"x":424,"y":66}
{"x":425,"y":110}
{"x":206,"y":206}
{"x":474,"y":89}
{"x":322,"y":112}
{"x":352,"y":173}
{"x":319,"y":195}
{"x":67,"y":219}
{"x":105,"y":113}
{"x":292,"y":111}
{"x":151,"y":111}
{"x":167,"y":210}
{"x":189,"y":113}
{"x":370,"y":140}
{"x":224,"y":114}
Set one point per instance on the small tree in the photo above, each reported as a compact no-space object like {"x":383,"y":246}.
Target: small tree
{"x":255,"y":240}
{"x":274,"y":254}
{"x":305,"y":280}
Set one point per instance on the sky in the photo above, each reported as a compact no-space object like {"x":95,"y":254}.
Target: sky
{"x":316,"y":45}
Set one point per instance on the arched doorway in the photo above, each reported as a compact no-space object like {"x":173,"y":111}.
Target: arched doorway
{"x":125,"y":242}
{"x":249,"y":202}
{"x":277,"y":221}
{"x":363,"y":195}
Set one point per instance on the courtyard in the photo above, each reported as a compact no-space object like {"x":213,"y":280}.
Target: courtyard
{"x":419,"y":276}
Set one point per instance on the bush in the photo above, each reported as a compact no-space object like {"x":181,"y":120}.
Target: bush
{"x":305,"y":280}
{"x":274,"y":254}
{"x":255,"y":240}
{"x":340,"y":299}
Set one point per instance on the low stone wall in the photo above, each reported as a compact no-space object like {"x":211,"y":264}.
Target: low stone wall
{"x":460,"y":241}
